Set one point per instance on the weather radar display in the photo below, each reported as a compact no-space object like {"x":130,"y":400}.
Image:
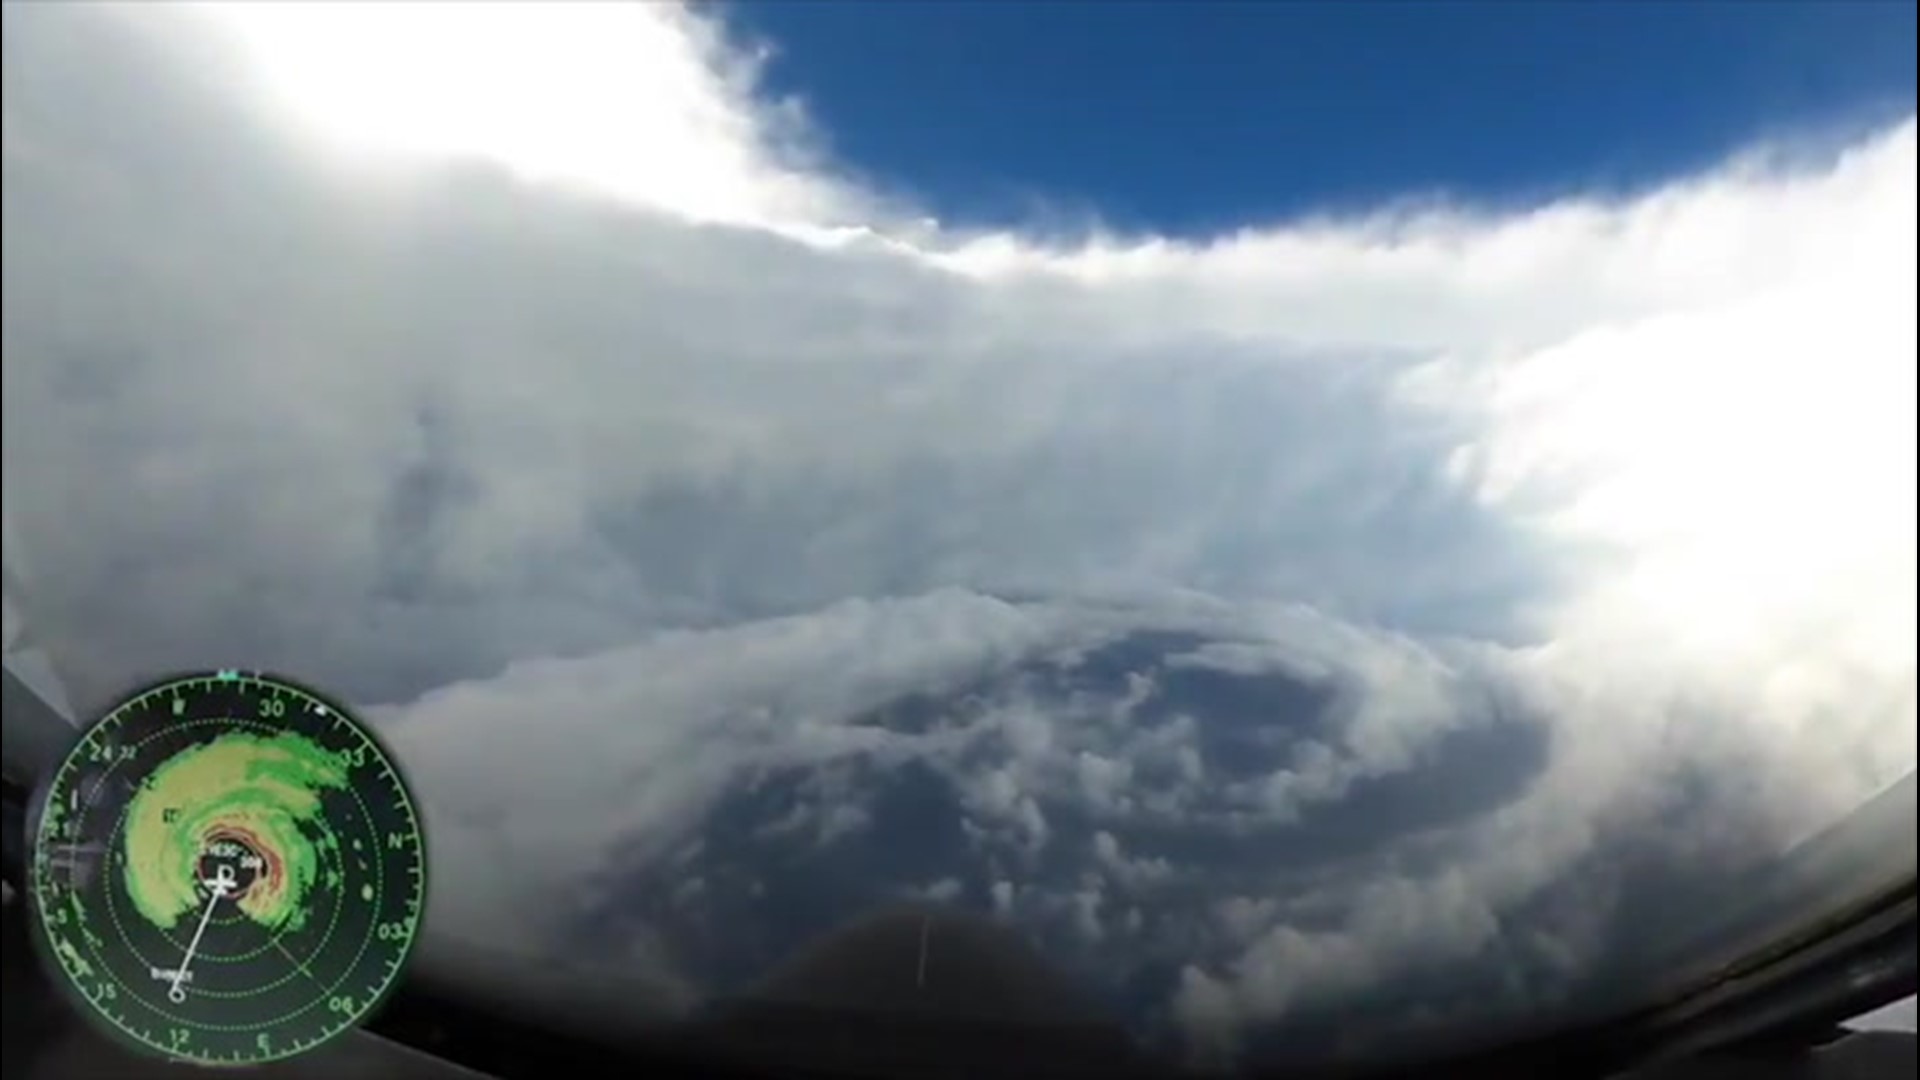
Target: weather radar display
{"x":227,"y":869}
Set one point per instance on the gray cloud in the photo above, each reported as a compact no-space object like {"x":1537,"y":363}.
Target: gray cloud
{"x":1262,"y":621}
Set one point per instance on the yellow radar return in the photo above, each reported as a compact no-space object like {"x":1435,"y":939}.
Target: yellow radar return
{"x":227,"y":869}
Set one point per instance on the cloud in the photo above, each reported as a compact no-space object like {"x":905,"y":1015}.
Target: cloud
{"x":1307,"y":609}
{"x":943,"y":891}
{"x":1898,"y":1016}
{"x":715,"y":147}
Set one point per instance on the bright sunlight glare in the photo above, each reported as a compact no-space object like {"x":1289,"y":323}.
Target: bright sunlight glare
{"x":605,"y":97}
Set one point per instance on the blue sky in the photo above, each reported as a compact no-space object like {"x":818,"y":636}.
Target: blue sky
{"x":1198,"y":116}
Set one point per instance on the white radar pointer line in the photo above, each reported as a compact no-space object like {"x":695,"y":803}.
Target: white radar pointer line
{"x":217,"y":887}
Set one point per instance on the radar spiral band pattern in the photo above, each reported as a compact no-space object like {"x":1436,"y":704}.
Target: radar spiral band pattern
{"x":227,"y":869}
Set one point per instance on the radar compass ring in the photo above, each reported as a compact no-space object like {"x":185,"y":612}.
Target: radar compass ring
{"x":227,"y":869}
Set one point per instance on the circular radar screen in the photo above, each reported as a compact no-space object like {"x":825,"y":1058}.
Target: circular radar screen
{"x":228,"y":870}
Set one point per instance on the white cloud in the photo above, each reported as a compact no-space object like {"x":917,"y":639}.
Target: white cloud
{"x":943,"y":891}
{"x":608,"y":509}
{"x":650,"y":735}
{"x":1897,"y":1016}
{"x":1086,"y":915}
{"x":1130,"y":873}
{"x":547,"y":90}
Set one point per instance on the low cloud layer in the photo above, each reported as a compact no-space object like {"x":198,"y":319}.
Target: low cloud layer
{"x":1263,"y":622}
